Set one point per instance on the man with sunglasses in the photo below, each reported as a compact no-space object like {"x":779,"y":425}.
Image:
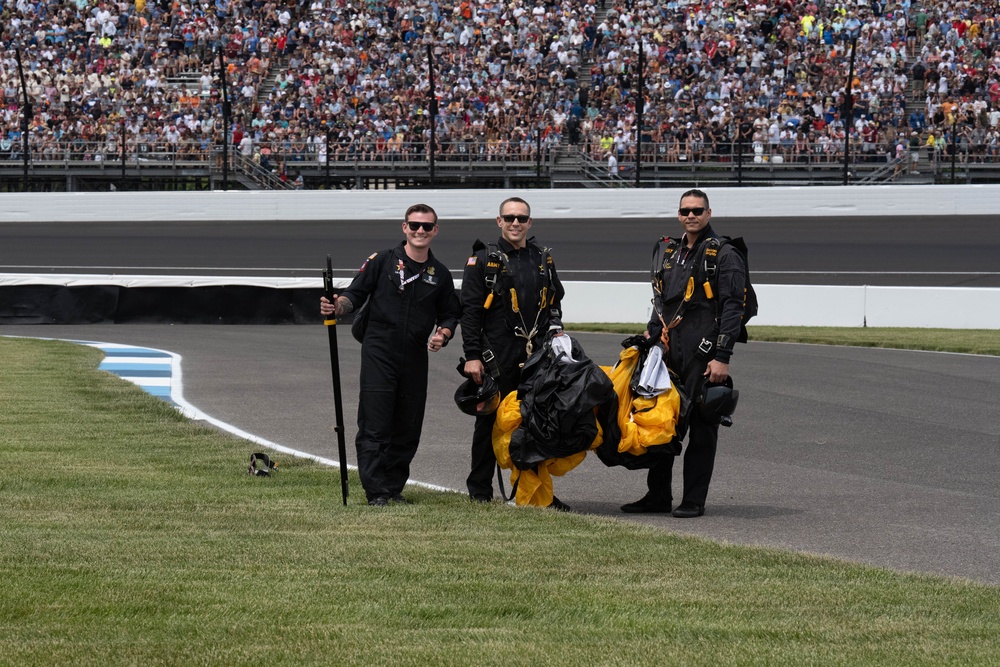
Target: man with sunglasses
{"x":511,"y":298}
{"x":698,"y":320}
{"x":412,"y":296}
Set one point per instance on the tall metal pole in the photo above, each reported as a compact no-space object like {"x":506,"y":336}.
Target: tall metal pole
{"x":640,"y":100}
{"x":25,"y":119}
{"x":538,"y":153}
{"x":433,"y":107}
{"x":953,"y":144}
{"x":849,"y":110}
{"x":329,"y":143}
{"x":121,"y":141}
{"x":226,"y":112}
{"x":739,"y":152}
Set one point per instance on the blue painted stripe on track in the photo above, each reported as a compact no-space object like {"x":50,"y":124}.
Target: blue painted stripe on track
{"x":136,"y":352}
{"x":135,"y":370}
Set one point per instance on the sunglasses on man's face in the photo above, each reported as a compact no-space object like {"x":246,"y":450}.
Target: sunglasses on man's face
{"x":427,"y":226}
{"x":685,"y":212}
{"x":509,"y":219}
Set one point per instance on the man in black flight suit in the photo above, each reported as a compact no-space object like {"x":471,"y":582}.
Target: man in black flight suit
{"x":412,"y":297}
{"x":699,"y":347}
{"x":511,"y":298}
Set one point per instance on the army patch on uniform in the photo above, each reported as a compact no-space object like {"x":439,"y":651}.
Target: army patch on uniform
{"x":472,"y":261}
{"x":370,"y":258}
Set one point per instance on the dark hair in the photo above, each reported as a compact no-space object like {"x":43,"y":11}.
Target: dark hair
{"x":420,"y":208}
{"x":517,"y":200}
{"x":695,"y":192}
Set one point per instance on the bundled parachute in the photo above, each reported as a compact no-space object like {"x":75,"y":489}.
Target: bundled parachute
{"x":565,"y":406}
{"x":650,"y":408}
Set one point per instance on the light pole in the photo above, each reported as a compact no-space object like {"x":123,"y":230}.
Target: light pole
{"x":25,"y":118}
{"x":849,"y":110}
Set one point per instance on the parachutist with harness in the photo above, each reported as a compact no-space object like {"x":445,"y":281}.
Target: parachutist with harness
{"x":700,"y":289}
{"x":511,"y":297}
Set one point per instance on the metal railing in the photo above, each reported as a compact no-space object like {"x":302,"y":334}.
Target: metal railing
{"x":272,"y":164}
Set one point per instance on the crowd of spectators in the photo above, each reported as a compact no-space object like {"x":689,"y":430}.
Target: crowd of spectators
{"x":763,"y":77}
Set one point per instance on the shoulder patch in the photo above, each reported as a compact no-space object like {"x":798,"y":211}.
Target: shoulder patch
{"x":370,"y":258}
{"x":472,"y":261}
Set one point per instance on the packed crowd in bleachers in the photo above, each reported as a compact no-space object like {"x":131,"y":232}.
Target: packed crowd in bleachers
{"x":763,"y":77}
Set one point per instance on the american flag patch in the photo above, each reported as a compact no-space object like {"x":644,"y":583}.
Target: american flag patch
{"x":370,"y":258}
{"x":472,"y":261}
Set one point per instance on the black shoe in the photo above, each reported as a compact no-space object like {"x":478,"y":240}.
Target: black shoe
{"x":481,"y":499}
{"x":647,"y":505}
{"x":688,"y":510}
{"x":379,"y":501}
{"x":559,"y":505}
{"x":399,"y":499}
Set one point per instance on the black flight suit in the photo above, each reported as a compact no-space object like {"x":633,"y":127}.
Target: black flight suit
{"x":494,"y":330}
{"x":699,"y":323}
{"x":394,"y":360}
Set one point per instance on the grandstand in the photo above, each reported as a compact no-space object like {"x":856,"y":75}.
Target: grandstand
{"x":523,"y":93}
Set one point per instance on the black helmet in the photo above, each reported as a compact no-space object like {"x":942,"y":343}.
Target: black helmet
{"x":717,"y":402}
{"x":478,"y":399}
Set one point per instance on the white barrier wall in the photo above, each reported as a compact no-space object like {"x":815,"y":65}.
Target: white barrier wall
{"x":803,"y":202}
{"x":809,"y":305}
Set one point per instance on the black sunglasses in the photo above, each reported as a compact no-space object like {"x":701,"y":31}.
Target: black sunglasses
{"x":684,"y":212}
{"x":523,"y":219}
{"x":428,"y":226}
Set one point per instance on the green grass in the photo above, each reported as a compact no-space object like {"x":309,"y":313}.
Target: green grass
{"x":129,"y":535}
{"x":973,"y":341}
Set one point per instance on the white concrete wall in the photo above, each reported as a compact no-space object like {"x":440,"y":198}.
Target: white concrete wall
{"x":799,"y":202}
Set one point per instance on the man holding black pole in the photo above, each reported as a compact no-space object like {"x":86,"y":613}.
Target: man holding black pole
{"x":511,"y":298}
{"x":411,"y":295}
{"x":697,"y":318}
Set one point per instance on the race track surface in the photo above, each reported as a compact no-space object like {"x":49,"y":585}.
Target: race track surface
{"x":876,"y":250}
{"x":883,"y":457}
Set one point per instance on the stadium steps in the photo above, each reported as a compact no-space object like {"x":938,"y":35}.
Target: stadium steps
{"x":279,"y":67}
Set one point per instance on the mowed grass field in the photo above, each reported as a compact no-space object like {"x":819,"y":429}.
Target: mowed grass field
{"x":129,"y":535}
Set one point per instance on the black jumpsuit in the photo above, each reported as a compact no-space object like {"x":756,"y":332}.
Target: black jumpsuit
{"x":699,"y":323}
{"x":494,"y":330}
{"x":394,"y":360}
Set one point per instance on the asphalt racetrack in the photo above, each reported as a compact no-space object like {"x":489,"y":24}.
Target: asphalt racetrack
{"x":882,"y":250}
{"x":878,"y":456}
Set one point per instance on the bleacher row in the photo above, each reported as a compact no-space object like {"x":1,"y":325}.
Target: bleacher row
{"x":509,"y":77}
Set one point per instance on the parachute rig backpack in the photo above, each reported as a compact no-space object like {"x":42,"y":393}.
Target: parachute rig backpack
{"x":706,"y":273}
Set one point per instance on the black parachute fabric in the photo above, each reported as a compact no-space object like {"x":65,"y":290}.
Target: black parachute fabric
{"x":558,"y":399}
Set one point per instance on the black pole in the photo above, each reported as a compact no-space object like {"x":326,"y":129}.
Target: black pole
{"x":538,"y":153}
{"x":121,"y":139}
{"x":739,"y":153}
{"x":953,"y":145}
{"x":433,"y":107}
{"x":329,"y":139}
{"x":331,"y":328}
{"x":849,"y":110}
{"x":226,"y":111}
{"x":25,"y":119}
{"x":639,"y":107}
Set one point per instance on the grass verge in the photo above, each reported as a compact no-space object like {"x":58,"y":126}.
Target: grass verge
{"x":129,"y":535}
{"x":972,"y":341}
